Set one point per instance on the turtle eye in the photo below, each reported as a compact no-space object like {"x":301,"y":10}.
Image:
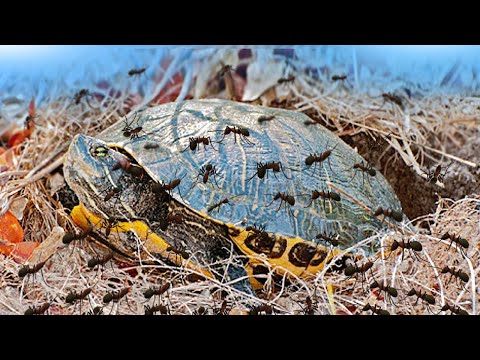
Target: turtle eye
{"x":100,"y":152}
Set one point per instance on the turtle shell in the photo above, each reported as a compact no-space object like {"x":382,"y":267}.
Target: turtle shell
{"x":179,"y":141}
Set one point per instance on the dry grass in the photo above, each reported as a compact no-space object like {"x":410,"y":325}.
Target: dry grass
{"x":418,"y":131}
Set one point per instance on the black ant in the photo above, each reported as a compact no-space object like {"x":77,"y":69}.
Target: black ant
{"x":71,"y":236}
{"x":411,"y":245}
{"x":205,"y":173}
{"x":377,"y":144}
{"x":325,"y":195}
{"x":283,"y":80}
{"x":327,"y":239}
{"x":194,"y":142}
{"x":171,"y":218}
{"x":73,"y":296}
{"x":389,"y":290}
{"x":158,"y":188}
{"x":454,"y":309}
{"x":151,"y":146}
{"x":427,"y":298}
{"x":136,"y":72}
{"x":375,"y":309}
{"x":342,"y":78}
{"x":356,"y":270}
{"x":156,"y":291}
{"x":457,"y":274}
{"x":264,"y":118}
{"x":436,"y":175}
{"x":130,"y":132}
{"x":258,"y":310}
{"x":395,"y":215}
{"x":29,"y":123}
{"x":309,"y":122}
{"x":393,"y":98}
{"x":116,"y":295}
{"x":241,"y":132}
{"x":157,"y":308}
{"x":217,"y":205}
{"x":308,"y":309}
{"x":37,"y":310}
{"x":111,"y":193}
{"x":317,"y":159}
{"x":262,"y":169}
{"x":365,"y":169}
{"x":101,"y":260}
{"x":81,"y":94}
{"x":285,"y":198}
{"x":25,"y":270}
{"x":180,"y":252}
{"x":460,"y":242}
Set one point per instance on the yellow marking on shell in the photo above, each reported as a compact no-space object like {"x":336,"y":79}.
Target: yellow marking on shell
{"x":152,"y":242}
{"x":282,"y":264}
{"x":256,"y":285}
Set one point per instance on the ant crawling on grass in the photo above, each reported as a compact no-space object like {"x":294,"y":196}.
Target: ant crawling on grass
{"x":395,"y":215}
{"x":159,"y":291}
{"x":356,"y":270}
{"x":411,"y":245}
{"x":390,"y":291}
{"x":258,"y":310}
{"x":37,"y":310}
{"x":461,"y":243}
{"x":101,"y":260}
{"x":436,"y":175}
{"x":83,"y":93}
{"x":157,"y":308}
{"x":375,"y":309}
{"x":427,"y":298}
{"x":457,"y":274}
{"x":454,"y":309}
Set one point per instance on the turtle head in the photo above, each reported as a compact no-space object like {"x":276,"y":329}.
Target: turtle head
{"x":88,"y":168}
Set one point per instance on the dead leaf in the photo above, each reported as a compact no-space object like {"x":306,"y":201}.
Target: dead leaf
{"x":10,"y":229}
{"x":21,"y":251}
{"x":18,"y":206}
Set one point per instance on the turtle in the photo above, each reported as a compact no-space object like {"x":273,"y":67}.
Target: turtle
{"x":205,"y":179}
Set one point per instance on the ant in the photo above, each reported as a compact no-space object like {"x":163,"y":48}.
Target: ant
{"x":308,"y":309}
{"x":427,"y":298}
{"x":377,"y":144}
{"x":365,"y":169}
{"x":205,"y":173}
{"x":73,"y":296}
{"x":150,"y":292}
{"x":289,"y":79}
{"x":309,"y":122}
{"x":130,"y":132}
{"x":127,"y":166}
{"x":195,"y":142}
{"x":395,"y":215}
{"x":71,"y":236}
{"x":241,"y":132}
{"x":81,"y":94}
{"x":25,"y":270}
{"x":316,"y":158}
{"x":217,"y":205}
{"x":457,"y":274}
{"x":375,"y":309}
{"x":262,"y":169}
{"x":180,"y":252}
{"x":325,"y":195}
{"x":454,"y":309}
{"x":111,"y":193}
{"x":356,"y":270}
{"x":223,"y":309}
{"x":264,"y":118}
{"x":102,"y":260}
{"x":152,"y":310}
{"x":340,"y":78}
{"x":115,"y":296}
{"x":257,"y":310}
{"x":37,"y":310}
{"x":157,"y":188}
{"x":151,"y":146}
{"x":412,"y":245}
{"x":390,"y":290}
{"x":171,"y":218}
{"x":136,"y":72}
{"x":436,"y":175}
{"x":285,"y":198}
{"x":393,"y":98}
{"x":327,"y":239}
{"x":460,"y":242}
